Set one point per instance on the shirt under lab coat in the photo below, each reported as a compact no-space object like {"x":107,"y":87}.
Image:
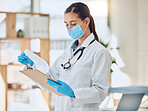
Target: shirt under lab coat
{"x":88,"y":77}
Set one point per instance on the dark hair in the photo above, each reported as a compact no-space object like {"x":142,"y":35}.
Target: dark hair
{"x":83,"y":11}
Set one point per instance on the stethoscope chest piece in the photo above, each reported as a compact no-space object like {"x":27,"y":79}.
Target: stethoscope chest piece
{"x":66,"y":65}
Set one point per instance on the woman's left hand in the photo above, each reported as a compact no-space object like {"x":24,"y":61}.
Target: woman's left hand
{"x":63,"y":88}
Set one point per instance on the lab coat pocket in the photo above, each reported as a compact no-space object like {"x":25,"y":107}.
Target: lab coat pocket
{"x":82,"y":109}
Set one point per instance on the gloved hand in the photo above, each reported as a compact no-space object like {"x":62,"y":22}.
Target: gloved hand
{"x":23,"y":59}
{"x":63,"y":88}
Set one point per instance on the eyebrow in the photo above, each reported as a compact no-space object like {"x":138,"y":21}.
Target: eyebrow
{"x":71,"y":21}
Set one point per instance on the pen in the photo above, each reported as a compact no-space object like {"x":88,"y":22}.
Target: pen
{"x":28,"y":66}
{"x":55,"y":81}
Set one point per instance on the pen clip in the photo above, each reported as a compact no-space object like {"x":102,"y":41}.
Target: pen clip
{"x":29,"y":67}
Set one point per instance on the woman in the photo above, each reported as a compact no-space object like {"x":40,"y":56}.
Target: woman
{"x":83,"y":69}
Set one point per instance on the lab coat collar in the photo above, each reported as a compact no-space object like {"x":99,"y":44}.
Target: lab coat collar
{"x":87,"y":41}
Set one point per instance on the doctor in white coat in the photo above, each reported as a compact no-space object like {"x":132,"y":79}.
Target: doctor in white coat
{"x":83,"y":69}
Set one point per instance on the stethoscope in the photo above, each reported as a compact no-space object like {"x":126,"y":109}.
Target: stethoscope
{"x":68,"y":64}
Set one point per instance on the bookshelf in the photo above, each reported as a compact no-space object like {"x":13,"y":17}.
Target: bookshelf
{"x":24,"y":43}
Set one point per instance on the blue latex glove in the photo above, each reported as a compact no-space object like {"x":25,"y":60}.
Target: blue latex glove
{"x":63,"y":88}
{"x":23,"y":59}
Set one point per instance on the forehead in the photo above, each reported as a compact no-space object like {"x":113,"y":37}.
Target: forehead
{"x":71,"y":17}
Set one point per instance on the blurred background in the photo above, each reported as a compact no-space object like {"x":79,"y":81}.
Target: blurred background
{"x":38,"y":25}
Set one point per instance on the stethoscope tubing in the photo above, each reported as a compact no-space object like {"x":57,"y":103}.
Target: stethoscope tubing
{"x":80,"y":49}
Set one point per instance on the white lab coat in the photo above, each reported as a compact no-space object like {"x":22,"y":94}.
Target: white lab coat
{"x":89,"y":77}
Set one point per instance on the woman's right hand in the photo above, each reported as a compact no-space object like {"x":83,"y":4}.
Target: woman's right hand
{"x":23,"y":59}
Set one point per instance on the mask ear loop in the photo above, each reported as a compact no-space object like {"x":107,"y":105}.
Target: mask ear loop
{"x":86,"y":27}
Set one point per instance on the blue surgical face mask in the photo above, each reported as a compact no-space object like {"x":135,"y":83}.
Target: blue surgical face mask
{"x":76,"y":32}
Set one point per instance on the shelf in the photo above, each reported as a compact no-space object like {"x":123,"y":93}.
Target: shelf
{"x":23,"y":38}
{"x":11,"y":19}
{"x":41,"y":14}
{"x":18,"y":87}
{"x":12,"y":65}
{"x":25,"y":43}
{"x":14,"y":89}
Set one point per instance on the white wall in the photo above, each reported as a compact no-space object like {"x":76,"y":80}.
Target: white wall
{"x":129,"y":24}
{"x":142,"y":23}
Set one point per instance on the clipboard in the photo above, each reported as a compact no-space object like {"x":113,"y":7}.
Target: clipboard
{"x":40,"y":78}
